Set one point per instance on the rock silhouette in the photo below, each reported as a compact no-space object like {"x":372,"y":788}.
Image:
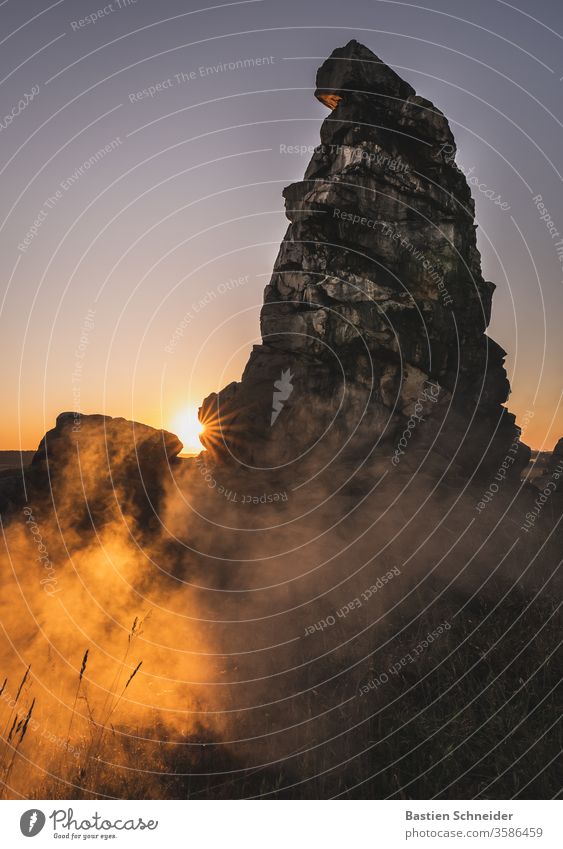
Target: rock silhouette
{"x":90,"y":468}
{"x":377,"y":306}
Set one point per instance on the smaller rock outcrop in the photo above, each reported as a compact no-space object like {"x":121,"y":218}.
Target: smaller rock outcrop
{"x":94,"y":467}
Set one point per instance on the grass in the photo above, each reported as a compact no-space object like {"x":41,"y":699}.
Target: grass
{"x":475,"y":715}
{"x":88,"y":740}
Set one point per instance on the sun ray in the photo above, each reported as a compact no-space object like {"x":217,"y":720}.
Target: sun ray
{"x":187,"y":427}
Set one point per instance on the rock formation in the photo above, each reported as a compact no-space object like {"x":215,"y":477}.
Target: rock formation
{"x":90,"y":468}
{"x":376,"y":312}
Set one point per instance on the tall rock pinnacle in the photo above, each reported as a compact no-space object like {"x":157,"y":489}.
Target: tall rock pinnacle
{"x":377,"y":309}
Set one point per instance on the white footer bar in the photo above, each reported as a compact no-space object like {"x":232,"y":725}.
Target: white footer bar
{"x":276,"y":824}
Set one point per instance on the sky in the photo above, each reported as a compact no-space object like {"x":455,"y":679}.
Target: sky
{"x":141,"y":182}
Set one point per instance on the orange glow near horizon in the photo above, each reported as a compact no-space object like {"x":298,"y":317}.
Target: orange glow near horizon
{"x":187,"y":427}
{"x":542,"y":432}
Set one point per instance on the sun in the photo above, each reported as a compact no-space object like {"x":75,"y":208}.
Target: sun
{"x":187,"y":427}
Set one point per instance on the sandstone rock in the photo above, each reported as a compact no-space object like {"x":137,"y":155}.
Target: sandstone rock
{"x":95,"y":465}
{"x":377,"y":291}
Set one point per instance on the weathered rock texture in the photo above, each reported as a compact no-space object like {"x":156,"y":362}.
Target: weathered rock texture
{"x":377,"y":300}
{"x":93,"y":468}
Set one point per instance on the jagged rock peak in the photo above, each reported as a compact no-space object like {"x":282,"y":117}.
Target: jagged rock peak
{"x":354,"y":68}
{"x":376,"y":295}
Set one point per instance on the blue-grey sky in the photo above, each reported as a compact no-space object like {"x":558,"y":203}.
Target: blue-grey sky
{"x":134,"y":289}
